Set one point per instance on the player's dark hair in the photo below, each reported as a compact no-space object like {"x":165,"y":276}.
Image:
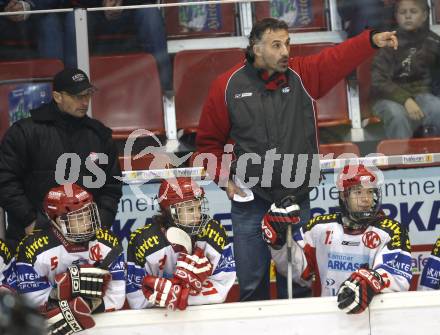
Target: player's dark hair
{"x":257,"y":32}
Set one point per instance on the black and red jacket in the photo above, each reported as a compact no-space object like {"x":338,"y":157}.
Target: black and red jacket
{"x":244,"y":109}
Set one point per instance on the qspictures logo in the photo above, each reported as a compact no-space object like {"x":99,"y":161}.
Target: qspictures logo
{"x":290,"y":171}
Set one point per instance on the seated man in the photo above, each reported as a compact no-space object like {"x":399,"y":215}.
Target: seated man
{"x":183,"y":258}
{"x":354,"y":254}
{"x":74,"y":268}
{"x":430,"y":278}
{"x":7,"y":268}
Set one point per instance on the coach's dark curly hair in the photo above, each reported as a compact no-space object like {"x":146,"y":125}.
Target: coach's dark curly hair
{"x":257,"y":32}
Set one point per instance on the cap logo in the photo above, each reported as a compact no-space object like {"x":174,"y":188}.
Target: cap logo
{"x":78,"y":77}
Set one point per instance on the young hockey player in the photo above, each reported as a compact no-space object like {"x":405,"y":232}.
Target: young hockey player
{"x":183,"y":258}
{"x":73,"y":268}
{"x":354,"y":254}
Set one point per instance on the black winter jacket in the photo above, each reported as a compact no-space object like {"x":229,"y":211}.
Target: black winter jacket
{"x":28,"y":159}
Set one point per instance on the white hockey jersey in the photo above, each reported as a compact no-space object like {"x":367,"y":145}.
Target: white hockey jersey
{"x":430,"y":278}
{"x":44,"y":254}
{"x":149,"y":252}
{"x":324,"y":255}
{"x":7,"y":267}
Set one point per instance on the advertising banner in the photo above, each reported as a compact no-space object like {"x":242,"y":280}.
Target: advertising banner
{"x":411,"y":196}
{"x":25,"y":97}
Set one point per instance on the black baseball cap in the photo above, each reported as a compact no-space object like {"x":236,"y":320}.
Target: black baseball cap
{"x":72,"y":81}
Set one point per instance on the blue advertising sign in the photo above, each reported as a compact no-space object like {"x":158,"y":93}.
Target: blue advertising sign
{"x":26,"y":97}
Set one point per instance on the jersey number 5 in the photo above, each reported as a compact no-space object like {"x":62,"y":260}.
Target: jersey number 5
{"x":53,"y":263}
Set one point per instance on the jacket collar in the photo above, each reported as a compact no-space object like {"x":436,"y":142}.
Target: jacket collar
{"x":51,"y":113}
{"x":271,"y":83}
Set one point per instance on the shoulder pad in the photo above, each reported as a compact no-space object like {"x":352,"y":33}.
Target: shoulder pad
{"x":145,"y":241}
{"x":436,"y":249}
{"x":5,"y":252}
{"x":215,"y":235}
{"x":398,"y":234}
{"x":34,"y":244}
{"x":107,"y":238}
{"x":321,"y":219}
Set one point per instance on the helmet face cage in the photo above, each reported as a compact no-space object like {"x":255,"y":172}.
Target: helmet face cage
{"x":191,"y":215}
{"x":358,"y":217}
{"x":80,"y":225}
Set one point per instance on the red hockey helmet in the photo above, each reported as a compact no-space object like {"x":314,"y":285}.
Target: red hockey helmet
{"x":73,"y":212}
{"x":185,"y":201}
{"x":355,"y":177}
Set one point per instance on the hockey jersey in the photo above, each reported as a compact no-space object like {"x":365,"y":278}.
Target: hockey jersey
{"x":7,"y":267}
{"x":324,"y":255}
{"x":430,"y":278}
{"x":149,"y":252}
{"x":44,"y":254}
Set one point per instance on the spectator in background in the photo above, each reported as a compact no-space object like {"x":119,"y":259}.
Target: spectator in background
{"x":430,"y":278}
{"x":189,"y":262}
{"x":147,"y":23}
{"x":25,"y":28}
{"x":360,"y":14}
{"x":31,"y":148}
{"x":402,"y":79}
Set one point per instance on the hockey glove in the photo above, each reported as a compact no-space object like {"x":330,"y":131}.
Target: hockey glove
{"x":163,"y":292}
{"x":275,"y":221}
{"x":193,"y":270}
{"x":69,"y":317}
{"x":85,"y":281}
{"x":356,"y":293}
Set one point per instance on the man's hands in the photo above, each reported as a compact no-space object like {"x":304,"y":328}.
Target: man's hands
{"x":386,"y":39}
{"x":413,"y":109}
{"x":276,"y":220}
{"x":232,"y":189}
{"x":112,"y":14}
{"x":193,"y":270}
{"x":165,"y":292}
{"x":356,"y":293}
{"x":17,"y":6}
{"x":69,"y":317}
{"x":84,"y":281}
